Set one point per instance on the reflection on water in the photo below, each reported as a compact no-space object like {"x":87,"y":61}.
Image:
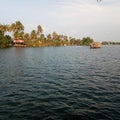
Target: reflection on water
{"x":60,"y":83}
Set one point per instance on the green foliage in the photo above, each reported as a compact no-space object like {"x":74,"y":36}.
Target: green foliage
{"x":86,"y":41}
{"x":5,"y":41}
{"x":39,"y":30}
{"x":110,"y":43}
{"x":36,"y":37}
{"x":17,"y":27}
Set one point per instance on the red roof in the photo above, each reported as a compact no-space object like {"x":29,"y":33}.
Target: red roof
{"x":18,"y":41}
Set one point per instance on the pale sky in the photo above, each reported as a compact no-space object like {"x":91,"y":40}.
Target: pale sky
{"x":75,"y":18}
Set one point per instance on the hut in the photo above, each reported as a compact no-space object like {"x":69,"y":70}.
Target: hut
{"x":19,"y":43}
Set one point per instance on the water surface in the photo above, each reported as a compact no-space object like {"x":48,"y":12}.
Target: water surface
{"x":60,"y":83}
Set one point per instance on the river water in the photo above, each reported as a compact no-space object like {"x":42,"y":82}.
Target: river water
{"x":60,"y":83}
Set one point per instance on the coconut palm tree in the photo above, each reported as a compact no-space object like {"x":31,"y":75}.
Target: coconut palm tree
{"x":26,"y":36}
{"x":4,"y":28}
{"x":33,"y":35}
{"x":12,"y":27}
{"x":54,"y":35}
{"x":17,"y":27}
{"x":39,"y":30}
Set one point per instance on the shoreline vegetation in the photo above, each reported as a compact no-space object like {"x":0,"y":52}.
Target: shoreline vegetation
{"x":36,"y":38}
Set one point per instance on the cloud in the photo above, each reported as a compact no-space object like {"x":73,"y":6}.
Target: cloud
{"x":77,"y":18}
{"x":89,"y":18}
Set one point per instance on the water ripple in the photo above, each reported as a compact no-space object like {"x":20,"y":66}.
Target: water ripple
{"x":60,"y":83}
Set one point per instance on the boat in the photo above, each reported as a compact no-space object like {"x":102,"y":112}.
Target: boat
{"x":95,"y":45}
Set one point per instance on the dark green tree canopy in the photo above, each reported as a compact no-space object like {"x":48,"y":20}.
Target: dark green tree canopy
{"x":5,"y":40}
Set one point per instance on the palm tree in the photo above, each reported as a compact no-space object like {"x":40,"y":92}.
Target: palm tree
{"x":39,"y":30}
{"x":42,"y":39}
{"x":49,"y":37}
{"x":54,"y":35}
{"x":33,"y":35}
{"x":17,"y":27}
{"x":26,"y":36}
{"x":49,"y":40}
{"x":4,"y":28}
{"x":12,"y":27}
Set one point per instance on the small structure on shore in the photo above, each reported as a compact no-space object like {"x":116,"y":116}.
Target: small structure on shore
{"x":95,"y":45}
{"x":19,"y":43}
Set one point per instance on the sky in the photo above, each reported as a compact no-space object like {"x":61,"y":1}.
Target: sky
{"x":75,"y":18}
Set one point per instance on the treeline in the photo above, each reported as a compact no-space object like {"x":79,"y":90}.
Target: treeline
{"x":5,"y":41}
{"x":110,"y":43}
{"x":36,"y":37}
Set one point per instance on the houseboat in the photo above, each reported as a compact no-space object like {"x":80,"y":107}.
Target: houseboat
{"x":95,"y":45}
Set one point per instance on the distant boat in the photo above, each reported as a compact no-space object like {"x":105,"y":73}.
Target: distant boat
{"x":65,"y":45}
{"x":95,"y":45}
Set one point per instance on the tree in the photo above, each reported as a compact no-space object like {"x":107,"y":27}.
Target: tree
{"x":54,"y":35}
{"x":42,"y":38}
{"x":19,"y":35}
{"x":49,"y":37}
{"x":87,"y":41}
{"x":26,"y":36}
{"x":5,"y":41}
{"x":17,"y":27}
{"x":72,"y":41}
{"x":78,"y":42}
{"x":49,"y":40}
{"x":4,"y":28}
{"x":39,"y":30}
{"x":12,"y":27}
{"x":33,"y":35}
